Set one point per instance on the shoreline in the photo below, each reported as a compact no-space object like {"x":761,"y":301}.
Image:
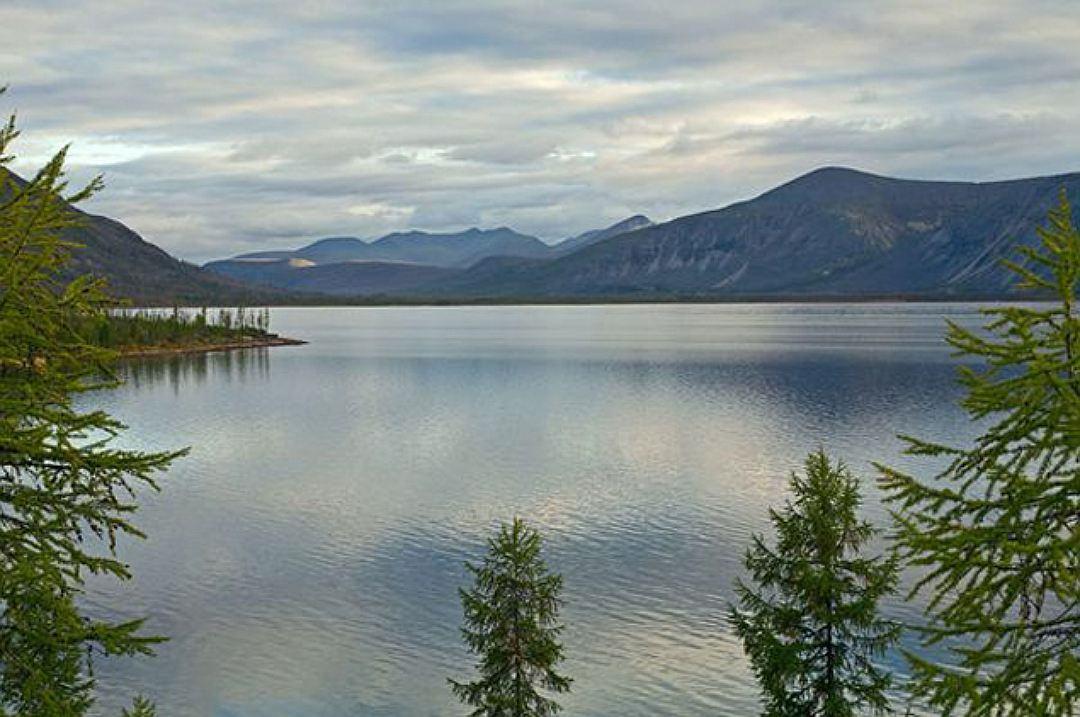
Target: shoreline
{"x":253,"y":343}
{"x":406,"y":301}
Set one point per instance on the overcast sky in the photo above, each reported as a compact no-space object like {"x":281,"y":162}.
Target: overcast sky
{"x":224,"y":127}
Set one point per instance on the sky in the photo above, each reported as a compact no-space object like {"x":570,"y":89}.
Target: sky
{"x":223,"y":127}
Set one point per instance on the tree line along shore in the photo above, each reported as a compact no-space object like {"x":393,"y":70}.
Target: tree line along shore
{"x":138,"y":333}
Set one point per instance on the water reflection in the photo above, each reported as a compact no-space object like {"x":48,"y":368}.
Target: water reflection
{"x":305,"y":557}
{"x":177,"y":370}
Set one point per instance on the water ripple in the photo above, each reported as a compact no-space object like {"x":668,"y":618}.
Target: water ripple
{"x":305,"y":558}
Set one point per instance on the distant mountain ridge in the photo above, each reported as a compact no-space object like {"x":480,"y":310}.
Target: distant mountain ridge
{"x":834,"y":232}
{"x":460,"y":249}
{"x":398,"y":262}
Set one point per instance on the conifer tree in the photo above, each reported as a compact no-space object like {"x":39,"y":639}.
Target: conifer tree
{"x":811,"y":626}
{"x":62,"y":481}
{"x":997,"y":532}
{"x":141,"y":707}
{"x":512,"y":625}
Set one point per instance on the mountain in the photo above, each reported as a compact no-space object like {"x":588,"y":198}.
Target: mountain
{"x":638,"y":221}
{"x":459,"y":249}
{"x":394,"y":264}
{"x":400,"y":263}
{"x":142,"y":272}
{"x":832,"y":232}
{"x":326,"y":250}
{"x":345,"y":278}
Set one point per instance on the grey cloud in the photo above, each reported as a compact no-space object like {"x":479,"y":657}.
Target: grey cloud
{"x":814,"y":135}
{"x":505,"y":151}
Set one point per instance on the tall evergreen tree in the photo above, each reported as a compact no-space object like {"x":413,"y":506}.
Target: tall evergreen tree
{"x":62,"y":480}
{"x":997,"y":532}
{"x":512,"y":625}
{"x":811,"y":626}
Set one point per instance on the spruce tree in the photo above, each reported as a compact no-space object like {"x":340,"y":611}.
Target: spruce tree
{"x":810,"y":625}
{"x":997,"y":532}
{"x":62,"y":480}
{"x":512,"y":625}
{"x":141,"y":707}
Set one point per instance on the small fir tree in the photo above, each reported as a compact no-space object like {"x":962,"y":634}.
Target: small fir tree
{"x":811,"y":626}
{"x":997,"y":533}
{"x":512,"y":625}
{"x":141,"y":707}
{"x":62,"y":480}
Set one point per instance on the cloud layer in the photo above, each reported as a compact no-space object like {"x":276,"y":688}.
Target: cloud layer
{"x":225,"y":127}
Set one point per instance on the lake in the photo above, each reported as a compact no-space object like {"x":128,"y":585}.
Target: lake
{"x":305,"y":558}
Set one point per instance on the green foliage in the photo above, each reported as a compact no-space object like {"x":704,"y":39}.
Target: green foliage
{"x":140,"y":329}
{"x":997,"y":533}
{"x":141,"y":707}
{"x":811,"y":627}
{"x":511,"y":623}
{"x":66,"y":493}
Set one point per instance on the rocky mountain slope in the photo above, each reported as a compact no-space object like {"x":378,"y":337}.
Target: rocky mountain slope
{"x":833,"y":232}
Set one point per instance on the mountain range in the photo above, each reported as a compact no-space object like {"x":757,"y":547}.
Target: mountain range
{"x":834,"y":232}
{"x":831,"y":233}
{"x":403,"y":262}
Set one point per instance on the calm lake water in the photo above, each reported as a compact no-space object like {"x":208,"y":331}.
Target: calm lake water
{"x":304,"y":559}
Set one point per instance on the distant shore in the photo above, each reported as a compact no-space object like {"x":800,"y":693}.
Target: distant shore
{"x":254,"y":342}
{"x":315,"y":301}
